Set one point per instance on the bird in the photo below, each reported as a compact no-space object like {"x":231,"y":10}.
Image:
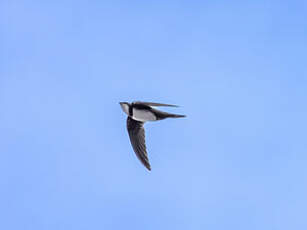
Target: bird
{"x":138,"y":113}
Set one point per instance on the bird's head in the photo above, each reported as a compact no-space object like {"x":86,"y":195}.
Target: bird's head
{"x":125,"y":107}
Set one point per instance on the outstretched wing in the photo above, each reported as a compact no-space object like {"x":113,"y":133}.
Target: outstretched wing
{"x":137,"y":138}
{"x":153,"y":104}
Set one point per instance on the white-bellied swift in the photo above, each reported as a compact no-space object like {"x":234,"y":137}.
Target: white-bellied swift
{"x":138,"y":113}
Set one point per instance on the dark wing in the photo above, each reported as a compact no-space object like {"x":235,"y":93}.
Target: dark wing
{"x":137,"y":138}
{"x":154,"y":104}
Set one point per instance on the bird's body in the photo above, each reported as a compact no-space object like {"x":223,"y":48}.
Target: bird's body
{"x":143,"y":113}
{"x":139,"y":113}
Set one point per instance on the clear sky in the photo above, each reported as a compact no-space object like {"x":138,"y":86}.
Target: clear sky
{"x":237,"y":68}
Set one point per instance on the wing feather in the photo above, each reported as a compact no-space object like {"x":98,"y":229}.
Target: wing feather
{"x":154,"y":104}
{"x":137,"y":138}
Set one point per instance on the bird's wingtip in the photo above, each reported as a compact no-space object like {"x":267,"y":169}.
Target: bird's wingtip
{"x":148,"y":167}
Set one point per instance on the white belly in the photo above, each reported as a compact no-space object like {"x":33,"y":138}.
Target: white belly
{"x":143,"y":115}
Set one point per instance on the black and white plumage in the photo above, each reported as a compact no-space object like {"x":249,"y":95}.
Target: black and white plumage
{"x":138,"y":113}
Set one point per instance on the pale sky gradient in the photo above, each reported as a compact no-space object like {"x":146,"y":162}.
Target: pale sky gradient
{"x":237,"y":68}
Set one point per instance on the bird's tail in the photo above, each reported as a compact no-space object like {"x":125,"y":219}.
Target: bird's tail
{"x":162,"y":115}
{"x":174,"y":115}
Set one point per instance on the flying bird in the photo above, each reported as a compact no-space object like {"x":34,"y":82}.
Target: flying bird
{"x":138,"y":113}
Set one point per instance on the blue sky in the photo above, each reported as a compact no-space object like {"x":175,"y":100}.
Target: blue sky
{"x":238,"y":70}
